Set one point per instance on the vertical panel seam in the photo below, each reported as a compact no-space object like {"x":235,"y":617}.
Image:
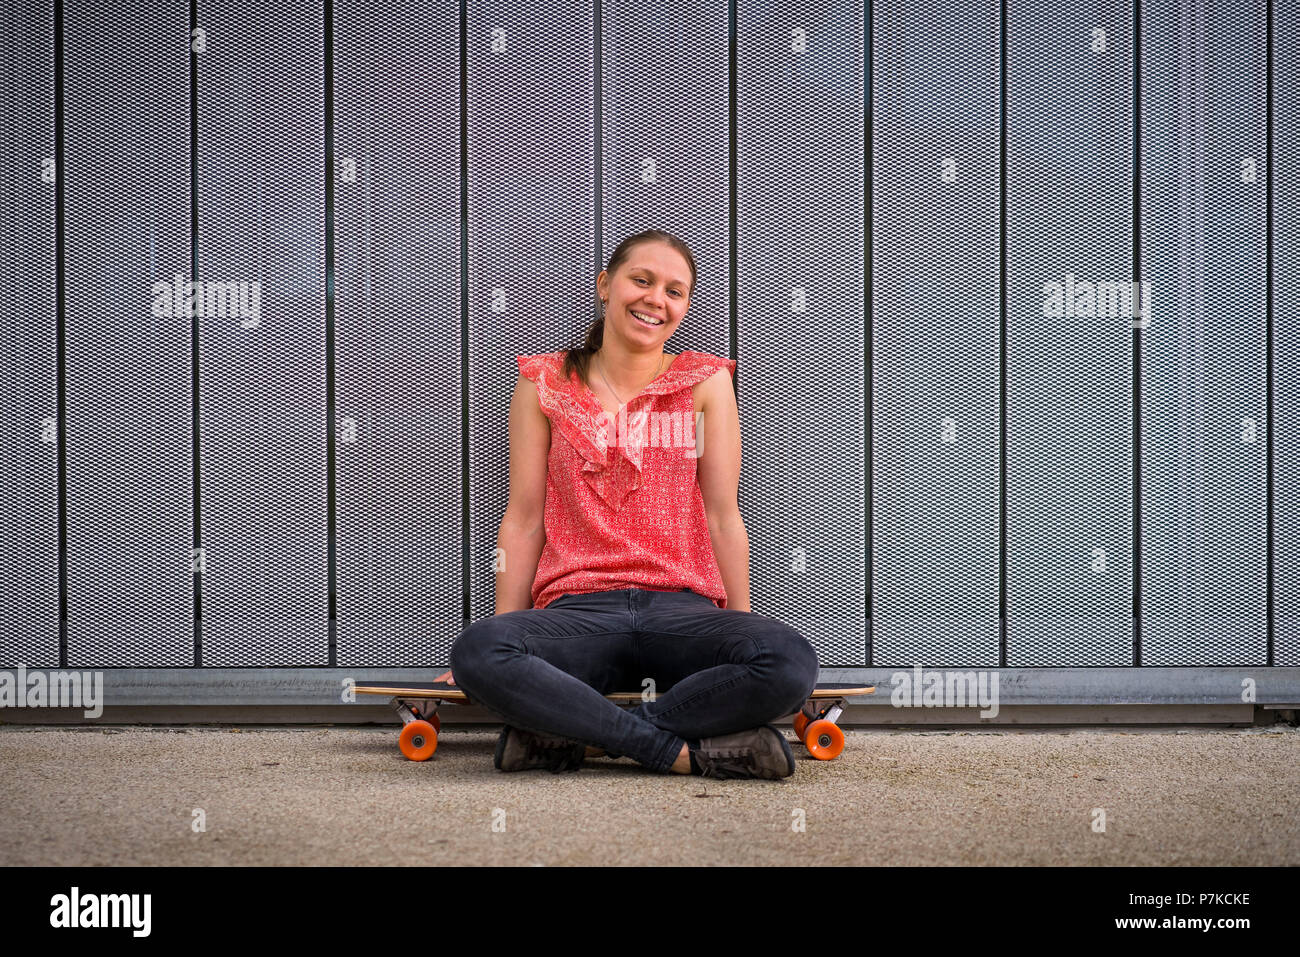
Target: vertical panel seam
{"x":60,"y":307}
{"x":464,"y":323}
{"x":1002,"y":338}
{"x":869,"y":353}
{"x":330,"y":477}
{"x":1268,"y":330}
{"x":196,"y":576}
{"x":1136,"y":561}
{"x":732,"y":258}
{"x":598,"y":157}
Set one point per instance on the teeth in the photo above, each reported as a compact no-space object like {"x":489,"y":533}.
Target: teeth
{"x":653,"y":322}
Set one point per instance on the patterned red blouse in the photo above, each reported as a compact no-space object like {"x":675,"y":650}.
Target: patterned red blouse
{"x":623,"y":507}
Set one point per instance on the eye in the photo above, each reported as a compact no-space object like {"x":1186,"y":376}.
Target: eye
{"x":675,"y":292}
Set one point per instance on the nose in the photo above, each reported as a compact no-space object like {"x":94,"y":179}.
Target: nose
{"x":654,"y":299}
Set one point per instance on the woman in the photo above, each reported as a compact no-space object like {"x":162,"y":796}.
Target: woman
{"x":626,"y":540}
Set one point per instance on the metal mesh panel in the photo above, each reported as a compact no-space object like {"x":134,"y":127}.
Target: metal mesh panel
{"x":1069,"y":380}
{"x":262,"y":388}
{"x":532,"y":118}
{"x":531,"y":219}
{"x":1286,"y":333}
{"x":29,"y":552}
{"x":1203,"y":357}
{"x":936,"y":335}
{"x":397,"y":333}
{"x":802,"y":427}
{"x":664,"y":112}
{"x":127,"y":371}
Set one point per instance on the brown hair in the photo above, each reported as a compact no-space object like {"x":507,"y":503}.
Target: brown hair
{"x":579,"y":357}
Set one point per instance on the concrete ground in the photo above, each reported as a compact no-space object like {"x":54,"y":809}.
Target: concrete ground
{"x":340,"y":795}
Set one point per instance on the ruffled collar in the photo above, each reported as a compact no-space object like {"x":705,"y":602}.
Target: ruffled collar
{"x":612,"y":471}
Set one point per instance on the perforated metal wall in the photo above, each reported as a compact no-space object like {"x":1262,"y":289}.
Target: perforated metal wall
{"x":800,"y":104}
{"x":531,"y":221}
{"x":871,"y":429}
{"x":1205,"y":450}
{"x":664,"y":161}
{"x":262,"y":379}
{"x":1069,"y":482}
{"x":935,"y":316}
{"x":128,"y":379}
{"x":397,"y":351}
{"x":29,"y":563}
{"x":1286,"y":333}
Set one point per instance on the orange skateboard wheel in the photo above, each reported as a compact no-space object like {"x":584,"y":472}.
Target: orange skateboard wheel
{"x":800,"y":725}
{"x":824,"y":739}
{"x":418,"y":740}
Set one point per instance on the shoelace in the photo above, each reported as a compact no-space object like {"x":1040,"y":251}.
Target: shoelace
{"x":727,"y":762}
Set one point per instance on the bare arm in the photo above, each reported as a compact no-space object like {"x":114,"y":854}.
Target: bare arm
{"x":522,"y":534}
{"x":718,"y":474}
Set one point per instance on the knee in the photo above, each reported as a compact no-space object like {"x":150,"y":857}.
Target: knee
{"x":473,"y":651}
{"x":793,"y":666}
{"x":459,"y":656}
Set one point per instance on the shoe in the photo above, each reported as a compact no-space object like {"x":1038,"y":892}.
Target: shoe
{"x":520,"y":750}
{"x":760,"y":752}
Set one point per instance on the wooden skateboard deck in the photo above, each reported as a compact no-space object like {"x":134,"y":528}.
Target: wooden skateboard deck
{"x":417,"y":704}
{"x":452,"y":693}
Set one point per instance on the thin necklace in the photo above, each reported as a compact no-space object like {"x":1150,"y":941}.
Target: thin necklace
{"x":621,"y":403}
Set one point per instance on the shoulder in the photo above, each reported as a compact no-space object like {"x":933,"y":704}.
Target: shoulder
{"x":544,"y":372}
{"x":710,"y":377}
{"x":541,"y":384}
{"x":698,"y":367}
{"x":540,"y":364}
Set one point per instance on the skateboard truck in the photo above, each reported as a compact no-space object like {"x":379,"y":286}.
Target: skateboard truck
{"x":815,"y":726}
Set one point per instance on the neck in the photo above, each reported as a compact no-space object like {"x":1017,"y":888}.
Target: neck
{"x":628,"y":372}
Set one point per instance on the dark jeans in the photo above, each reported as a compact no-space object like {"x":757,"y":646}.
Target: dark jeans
{"x":715,"y":670}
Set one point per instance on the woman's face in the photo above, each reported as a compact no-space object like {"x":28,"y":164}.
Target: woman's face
{"x":654,"y":282}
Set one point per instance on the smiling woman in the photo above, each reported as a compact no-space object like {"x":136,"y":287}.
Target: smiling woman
{"x":625,"y":562}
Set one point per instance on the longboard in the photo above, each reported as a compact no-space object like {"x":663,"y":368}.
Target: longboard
{"x":416,"y":703}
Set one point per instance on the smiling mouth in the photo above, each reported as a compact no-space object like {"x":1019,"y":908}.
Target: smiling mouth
{"x":640,"y":317}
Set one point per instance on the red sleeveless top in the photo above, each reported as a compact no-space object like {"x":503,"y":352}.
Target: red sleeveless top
{"x":623,"y":507}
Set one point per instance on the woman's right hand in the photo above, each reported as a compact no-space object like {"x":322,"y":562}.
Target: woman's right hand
{"x":445,"y":677}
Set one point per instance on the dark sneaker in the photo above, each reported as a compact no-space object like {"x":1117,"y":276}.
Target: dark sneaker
{"x":760,"y":752}
{"x":520,"y":750}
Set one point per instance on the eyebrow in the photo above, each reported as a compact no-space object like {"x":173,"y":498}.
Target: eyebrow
{"x":679,"y":282}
